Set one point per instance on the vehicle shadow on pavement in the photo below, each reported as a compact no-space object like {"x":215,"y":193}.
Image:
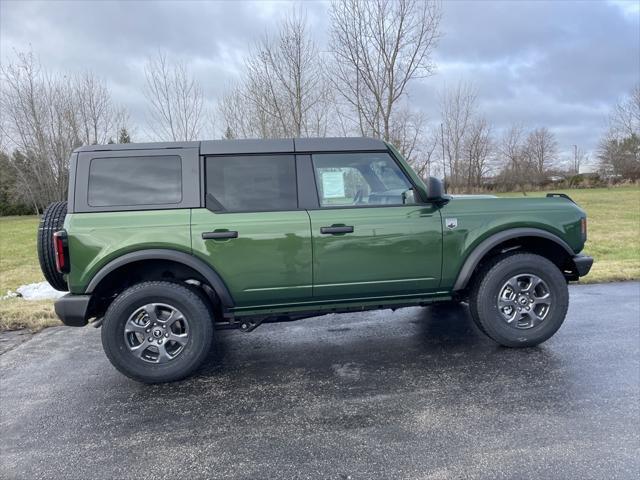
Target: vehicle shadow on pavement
{"x":356,"y":348}
{"x":450,"y":325}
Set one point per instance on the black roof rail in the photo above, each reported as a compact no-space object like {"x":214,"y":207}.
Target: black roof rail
{"x":560,"y":195}
{"x":254,"y":146}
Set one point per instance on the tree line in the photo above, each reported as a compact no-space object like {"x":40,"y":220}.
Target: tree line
{"x":290,"y":86}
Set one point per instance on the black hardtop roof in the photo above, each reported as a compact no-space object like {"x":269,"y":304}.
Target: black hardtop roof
{"x":247,"y":146}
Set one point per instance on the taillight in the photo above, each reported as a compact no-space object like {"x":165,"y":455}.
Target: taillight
{"x":61,"y":250}
{"x":583,"y":228}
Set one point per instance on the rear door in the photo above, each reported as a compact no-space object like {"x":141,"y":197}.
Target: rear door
{"x":371,"y":236}
{"x":252,"y":231}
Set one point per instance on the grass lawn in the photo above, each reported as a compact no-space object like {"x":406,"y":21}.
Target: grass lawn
{"x":614,"y":241}
{"x":613,"y":231}
{"x":19,"y":265}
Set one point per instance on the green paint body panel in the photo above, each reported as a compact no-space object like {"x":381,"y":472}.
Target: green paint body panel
{"x":392,"y":251}
{"x":479,"y":218}
{"x":95,"y":239}
{"x":269,"y":262}
{"x":280,"y":261}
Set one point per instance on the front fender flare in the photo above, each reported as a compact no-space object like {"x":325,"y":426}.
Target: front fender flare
{"x":486,"y":245}
{"x":195,"y":263}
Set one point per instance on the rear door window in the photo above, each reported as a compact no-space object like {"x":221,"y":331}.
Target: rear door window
{"x":251,"y":183}
{"x":131,"y":181}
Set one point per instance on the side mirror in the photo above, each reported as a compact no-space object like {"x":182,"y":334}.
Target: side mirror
{"x":435,"y":192}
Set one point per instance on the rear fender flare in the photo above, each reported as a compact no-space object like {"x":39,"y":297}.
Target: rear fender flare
{"x":214,"y":279}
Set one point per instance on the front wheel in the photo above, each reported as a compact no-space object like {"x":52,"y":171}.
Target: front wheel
{"x":520,"y":300}
{"x":157,"y":332}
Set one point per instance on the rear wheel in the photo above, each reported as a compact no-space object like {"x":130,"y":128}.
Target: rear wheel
{"x":520,"y":300}
{"x":52,"y":220}
{"x":157,"y":332}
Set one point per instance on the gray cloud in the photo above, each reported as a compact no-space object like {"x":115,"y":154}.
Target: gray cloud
{"x":559,"y":64}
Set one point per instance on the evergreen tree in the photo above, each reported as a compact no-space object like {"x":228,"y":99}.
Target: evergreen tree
{"x":621,"y":157}
{"x":123,"y":136}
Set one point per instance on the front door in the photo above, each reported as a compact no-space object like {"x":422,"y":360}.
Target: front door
{"x":371,"y":238}
{"x":252,"y":232}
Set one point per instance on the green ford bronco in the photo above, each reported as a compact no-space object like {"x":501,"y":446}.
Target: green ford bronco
{"x":161,"y":244}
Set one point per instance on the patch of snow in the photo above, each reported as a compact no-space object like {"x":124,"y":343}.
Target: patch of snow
{"x":38,"y":291}
{"x":10,"y":294}
{"x":349,"y":371}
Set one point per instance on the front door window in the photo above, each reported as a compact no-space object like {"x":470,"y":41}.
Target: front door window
{"x":360,"y":179}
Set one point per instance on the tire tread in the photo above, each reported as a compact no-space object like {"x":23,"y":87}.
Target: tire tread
{"x":52,"y":220}
{"x":480,"y":293}
{"x":202,"y":313}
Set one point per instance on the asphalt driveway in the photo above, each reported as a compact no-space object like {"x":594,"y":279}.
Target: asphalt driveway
{"x":418,"y":393}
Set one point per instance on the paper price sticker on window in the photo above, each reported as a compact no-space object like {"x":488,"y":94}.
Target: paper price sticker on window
{"x":333,"y":184}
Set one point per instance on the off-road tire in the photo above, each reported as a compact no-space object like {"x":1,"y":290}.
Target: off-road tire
{"x":483,"y":299}
{"x":181,"y":297}
{"x":473,"y":311}
{"x":52,"y":220}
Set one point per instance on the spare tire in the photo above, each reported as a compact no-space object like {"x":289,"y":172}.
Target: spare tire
{"x":52,"y":221}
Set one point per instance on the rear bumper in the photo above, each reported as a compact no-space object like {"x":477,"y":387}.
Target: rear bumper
{"x":583,"y":264}
{"x":73,"y":309}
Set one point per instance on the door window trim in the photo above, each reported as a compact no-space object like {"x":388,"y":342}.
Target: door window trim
{"x":127,"y":157}
{"x":418,"y":201}
{"x":416,"y":190}
{"x":189,"y":187}
{"x":223,"y":210}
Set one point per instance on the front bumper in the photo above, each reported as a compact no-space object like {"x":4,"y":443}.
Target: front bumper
{"x":73,"y":309}
{"x":583,"y":264}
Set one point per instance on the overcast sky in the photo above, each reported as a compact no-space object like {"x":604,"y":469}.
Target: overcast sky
{"x":557,"y":64}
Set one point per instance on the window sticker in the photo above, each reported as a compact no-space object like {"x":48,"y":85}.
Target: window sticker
{"x":333,"y":184}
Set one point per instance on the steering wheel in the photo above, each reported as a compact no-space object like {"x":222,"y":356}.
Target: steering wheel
{"x":358,"y":198}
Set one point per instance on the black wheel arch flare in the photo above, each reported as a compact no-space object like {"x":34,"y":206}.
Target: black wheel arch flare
{"x":478,"y":253}
{"x":214,"y":279}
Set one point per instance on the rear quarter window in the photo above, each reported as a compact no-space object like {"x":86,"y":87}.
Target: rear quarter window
{"x":130,"y":181}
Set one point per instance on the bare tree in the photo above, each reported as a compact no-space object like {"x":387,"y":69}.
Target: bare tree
{"x":175,"y":100}
{"x":97,"y":119}
{"x":94,"y":109}
{"x":619,"y":149}
{"x":478,"y":149}
{"x":625,"y":119}
{"x":124,"y":129}
{"x":541,"y":149}
{"x":379,"y":47}
{"x":578,"y":158}
{"x":458,"y":109}
{"x":515,"y":168}
{"x":39,"y":120}
{"x":620,"y":156}
{"x":46,"y":116}
{"x":285,"y":92}
{"x":239,"y":120}
{"x":410,"y":136}
{"x":407,"y":131}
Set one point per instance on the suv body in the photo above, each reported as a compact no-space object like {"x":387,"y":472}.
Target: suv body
{"x":283,"y":229}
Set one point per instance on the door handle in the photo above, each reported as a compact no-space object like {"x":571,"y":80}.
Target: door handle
{"x":219,"y":235}
{"x":336,"y":229}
